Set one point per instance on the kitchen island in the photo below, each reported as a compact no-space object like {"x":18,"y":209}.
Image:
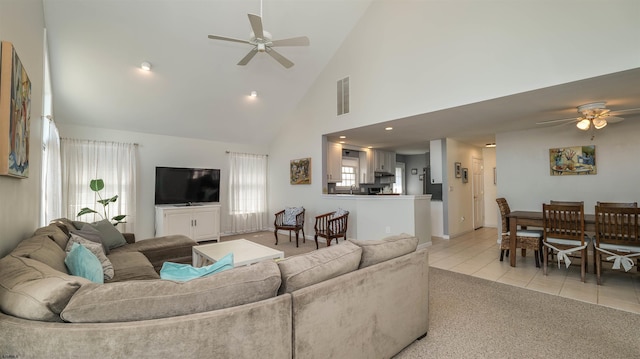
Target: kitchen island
{"x":379,"y":216}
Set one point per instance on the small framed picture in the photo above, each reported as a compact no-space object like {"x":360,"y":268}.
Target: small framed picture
{"x":458,"y":169}
{"x":465,"y":175}
{"x":414,"y":171}
{"x":421,"y":177}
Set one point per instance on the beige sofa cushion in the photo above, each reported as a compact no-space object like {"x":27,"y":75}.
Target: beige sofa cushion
{"x":43,"y":249}
{"x":131,"y":266}
{"x":306,"y":269}
{"x":376,"y":251}
{"x":33,"y":290}
{"x":140,"y":300}
{"x":57,"y":234}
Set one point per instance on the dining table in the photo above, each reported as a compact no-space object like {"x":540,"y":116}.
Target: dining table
{"x":534,"y":219}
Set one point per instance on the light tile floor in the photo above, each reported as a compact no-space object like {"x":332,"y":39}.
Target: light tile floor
{"x":477,"y":254}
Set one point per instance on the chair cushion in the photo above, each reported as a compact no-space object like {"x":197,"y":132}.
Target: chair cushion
{"x":339,"y":213}
{"x":43,"y":249}
{"x":97,"y":250}
{"x":151,"y":299}
{"x":82,"y":263}
{"x":33,"y":290}
{"x":620,"y":247}
{"x":306,"y":269}
{"x":290,"y":214}
{"x":529,"y":233}
{"x":568,"y":242}
{"x":377,"y":251}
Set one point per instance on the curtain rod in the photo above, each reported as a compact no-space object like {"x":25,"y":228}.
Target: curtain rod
{"x":244,"y":153}
{"x":78,"y":139}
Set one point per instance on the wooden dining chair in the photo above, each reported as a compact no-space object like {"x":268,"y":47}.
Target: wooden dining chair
{"x":290,"y":219}
{"x":525,"y":239}
{"x":331,"y":225}
{"x":617,"y":237}
{"x":564,"y":234}
{"x":618,"y":204}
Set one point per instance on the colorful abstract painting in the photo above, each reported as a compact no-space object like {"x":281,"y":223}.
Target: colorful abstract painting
{"x":578,"y":160}
{"x":15,"y":114}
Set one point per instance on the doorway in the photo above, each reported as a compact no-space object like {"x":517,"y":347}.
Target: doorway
{"x":477,"y":182}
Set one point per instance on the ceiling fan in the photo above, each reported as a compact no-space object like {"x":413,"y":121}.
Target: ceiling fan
{"x":593,"y":115}
{"x":262,"y":42}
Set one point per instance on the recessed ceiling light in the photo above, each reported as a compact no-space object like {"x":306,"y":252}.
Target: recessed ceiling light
{"x":254,"y":94}
{"x":490,"y":145}
{"x":341,"y":141}
{"x":146,"y":66}
{"x":343,"y":136}
{"x":388,"y":128}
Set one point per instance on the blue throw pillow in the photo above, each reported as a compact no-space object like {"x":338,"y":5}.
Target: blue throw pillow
{"x":185,"y":272}
{"x":82,"y":263}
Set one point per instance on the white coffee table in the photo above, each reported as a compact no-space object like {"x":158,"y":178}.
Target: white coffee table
{"x":244,"y":253}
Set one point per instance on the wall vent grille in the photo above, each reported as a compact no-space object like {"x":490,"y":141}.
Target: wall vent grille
{"x":343,"y":96}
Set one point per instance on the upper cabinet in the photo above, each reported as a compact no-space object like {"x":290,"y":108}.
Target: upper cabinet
{"x":334,"y":162}
{"x":435,"y":157}
{"x":367,"y":175}
{"x":384,"y":161}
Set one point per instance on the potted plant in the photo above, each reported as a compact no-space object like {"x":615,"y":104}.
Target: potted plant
{"x":97,"y":185}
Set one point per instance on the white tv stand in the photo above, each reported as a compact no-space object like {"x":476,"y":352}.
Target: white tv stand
{"x":198,"y":221}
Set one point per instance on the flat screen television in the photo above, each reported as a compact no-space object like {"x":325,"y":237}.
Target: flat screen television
{"x":187,"y":185}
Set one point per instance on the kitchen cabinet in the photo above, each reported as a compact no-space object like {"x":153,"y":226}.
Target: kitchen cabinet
{"x":367,"y":175}
{"x":435,"y":160}
{"x":384,"y":161}
{"x":198,"y":222}
{"x":334,"y":162}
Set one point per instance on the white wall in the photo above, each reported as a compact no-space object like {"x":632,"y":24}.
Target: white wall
{"x":22,"y":23}
{"x":156,"y":150}
{"x":411,"y":57}
{"x":523,"y":166}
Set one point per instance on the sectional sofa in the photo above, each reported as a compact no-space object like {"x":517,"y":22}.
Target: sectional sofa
{"x":360,"y":299}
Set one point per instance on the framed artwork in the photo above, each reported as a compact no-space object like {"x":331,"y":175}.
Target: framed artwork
{"x":458,"y":169}
{"x":414,"y":171}
{"x":15,"y":114}
{"x":300,"y":171}
{"x":421,"y":177}
{"x":465,"y":175}
{"x":578,"y":160}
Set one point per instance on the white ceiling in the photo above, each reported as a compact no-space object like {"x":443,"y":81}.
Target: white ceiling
{"x":196,"y":90}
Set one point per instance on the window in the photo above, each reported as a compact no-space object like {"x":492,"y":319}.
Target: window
{"x":348,"y":177}
{"x":399,"y":183}
{"x":247,"y":192}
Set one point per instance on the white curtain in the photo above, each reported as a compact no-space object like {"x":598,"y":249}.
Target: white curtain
{"x":51,"y":172}
{"x":247,"y":192}
{"x":115,"y":164}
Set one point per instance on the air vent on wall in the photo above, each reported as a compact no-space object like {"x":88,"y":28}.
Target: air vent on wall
{"x":343,"y":96}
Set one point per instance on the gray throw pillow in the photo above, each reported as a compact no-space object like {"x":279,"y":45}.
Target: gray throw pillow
{"x":111,"y":237}
{"x":92,"y":234}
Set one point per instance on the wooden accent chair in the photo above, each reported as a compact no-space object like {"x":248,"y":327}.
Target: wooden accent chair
{"x":564,"y":234}
{"x":525,"y":239}
{"x":290,"y":219}
{"x":331,"y":225}
{"x":616,"y":236}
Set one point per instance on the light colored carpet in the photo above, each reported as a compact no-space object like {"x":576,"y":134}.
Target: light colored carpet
{"x":476,"y":318}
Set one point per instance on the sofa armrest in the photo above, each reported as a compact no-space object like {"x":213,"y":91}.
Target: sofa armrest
{"x":129,"y":237}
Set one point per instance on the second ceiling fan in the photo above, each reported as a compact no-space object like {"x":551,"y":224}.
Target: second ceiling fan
{"x":262,"y":42}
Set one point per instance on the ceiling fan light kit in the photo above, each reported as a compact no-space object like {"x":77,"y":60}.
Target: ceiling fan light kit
{"x":593,"y":115}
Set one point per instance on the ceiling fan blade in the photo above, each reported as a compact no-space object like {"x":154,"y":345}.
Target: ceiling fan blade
{"x":556,"y":121}
{"x":256,"y":26}
{"x":281,"y":59}
{"x":614,"y":119}
{"x":294,"y":41}
{"x":629,"y":110}
{"x":223,"y":38}
{"x":245,"y":60}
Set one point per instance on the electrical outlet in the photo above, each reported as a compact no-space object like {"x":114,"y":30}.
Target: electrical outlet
{"x":462,"y":219}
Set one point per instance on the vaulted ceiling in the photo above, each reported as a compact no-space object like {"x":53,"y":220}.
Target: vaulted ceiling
{"x":196,"y":90}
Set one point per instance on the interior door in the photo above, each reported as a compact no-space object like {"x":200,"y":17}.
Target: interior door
{"x":478,"y":192}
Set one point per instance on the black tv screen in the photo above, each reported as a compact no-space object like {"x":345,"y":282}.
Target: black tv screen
{"x":187,"y":185}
